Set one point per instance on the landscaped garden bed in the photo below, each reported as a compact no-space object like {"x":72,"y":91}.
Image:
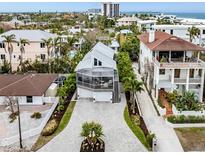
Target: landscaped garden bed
{"x":131,"y":113}
{"x":180,"y":119}
{"x":61,"y":114}
{"x":93,"y":142}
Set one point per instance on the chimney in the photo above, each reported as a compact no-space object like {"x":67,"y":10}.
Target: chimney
{"x":151,"y":35}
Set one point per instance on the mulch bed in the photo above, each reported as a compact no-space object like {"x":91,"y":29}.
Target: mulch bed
{"x":98,"y":147}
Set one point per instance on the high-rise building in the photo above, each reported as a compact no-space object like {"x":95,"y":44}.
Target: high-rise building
{"x":110,"y":9}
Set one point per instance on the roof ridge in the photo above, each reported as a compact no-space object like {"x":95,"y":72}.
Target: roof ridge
{"x":14,"y":82}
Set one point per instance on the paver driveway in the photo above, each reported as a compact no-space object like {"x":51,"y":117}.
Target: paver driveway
{"x":118,"y":136}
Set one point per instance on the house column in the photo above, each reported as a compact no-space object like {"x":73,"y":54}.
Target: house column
{"x":172,"y":78}
{"x":187,"y":80}
{"x":202,"y":87}
{"x":184,"y":56}
{"x":170,"y":55}
{"x":198,"y":56}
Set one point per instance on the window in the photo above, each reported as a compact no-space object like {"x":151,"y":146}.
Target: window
{"x":99,"y":63}
{"x":2,"y":45}
{"x":95,"y":62}
{"x":42,"y":45}
{"x":14,"y":56}
{"x":29,"y":99}
{"x":203,"y":31}
{"x":163,"y":30}
{"x":162,"y":71}
{"x":3,"y":56}
{"x":171,"y":31}
{"x":17,"y":44}
{"x":43,"y":57}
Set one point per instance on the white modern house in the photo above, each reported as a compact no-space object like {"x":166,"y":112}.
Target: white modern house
{"x":29,"y":89}
{"x":36,"y":48}
{"x":191,"y":21}
{"x":182,"y":32}
{"x":127,"y":21}
{"x":145,"y":25}
{"x":114,"y":45}
{"x":168,"y":62}
{"x":97,"y":76}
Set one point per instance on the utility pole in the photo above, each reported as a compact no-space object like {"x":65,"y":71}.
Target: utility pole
{"x":19,"y":124}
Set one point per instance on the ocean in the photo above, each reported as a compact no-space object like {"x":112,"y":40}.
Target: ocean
{"x":178,"y":14}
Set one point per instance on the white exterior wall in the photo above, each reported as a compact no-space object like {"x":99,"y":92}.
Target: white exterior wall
{"x":145,"y":55}
{"x":37,"y":100}
{"x":98,"y":96}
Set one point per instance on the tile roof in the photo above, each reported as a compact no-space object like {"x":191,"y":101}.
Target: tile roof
{"x":166,"y":42}
{"x":25,"y":85}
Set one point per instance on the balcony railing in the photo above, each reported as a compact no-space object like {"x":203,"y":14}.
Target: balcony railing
{"x":180,"y":65}
{"x":191,"y":80}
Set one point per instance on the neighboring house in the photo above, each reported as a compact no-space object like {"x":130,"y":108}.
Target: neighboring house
{"x":30,"y":89}
{"x":78,"y":44}
{"x":190,"y":21}
{"x":36,"y":49}
{"x":97,"y":76}
{"x":145,"y":25}
{"x":127,"y":21}
{"x":182,"y":32}
{"x":115,"y":45}
{"x":14,"y":22}
{"x":168,"y":63}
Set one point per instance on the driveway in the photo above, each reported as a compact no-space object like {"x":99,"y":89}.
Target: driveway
{"x":118,"y":136}
{"x":167,"y":139}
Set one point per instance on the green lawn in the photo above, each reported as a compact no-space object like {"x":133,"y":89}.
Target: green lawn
{"x":42,"y":140}
{"x":192,"y":139}
{"x":136,"y":129}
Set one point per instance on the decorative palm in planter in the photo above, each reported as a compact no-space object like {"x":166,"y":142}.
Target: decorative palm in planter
{"x":92,"y":143}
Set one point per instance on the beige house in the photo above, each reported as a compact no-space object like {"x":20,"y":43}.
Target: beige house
{"x":36,"y":49}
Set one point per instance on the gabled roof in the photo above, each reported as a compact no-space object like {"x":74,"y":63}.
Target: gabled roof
{"x":31,"y":35}
{"x":25,"y":85}
{"x":166,"y":42}
{"x":101,"y":52}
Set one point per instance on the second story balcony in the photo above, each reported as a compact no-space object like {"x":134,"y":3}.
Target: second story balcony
{"x":178,"y":60}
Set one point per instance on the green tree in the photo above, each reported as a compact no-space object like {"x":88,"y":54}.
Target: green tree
{"x":193,"y":32}
{"x":8,"y":40}
{"x":49,"y":46}
{"x":22,"y":44}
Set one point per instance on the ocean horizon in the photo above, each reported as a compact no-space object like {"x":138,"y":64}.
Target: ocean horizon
{"x":178,"y":14}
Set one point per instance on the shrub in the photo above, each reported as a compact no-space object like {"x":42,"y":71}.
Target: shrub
{"x":135,"y":119}
{"x":50,"y":128}
{"x":150,"y":139}
{"x":60,"y":108}
{"x":12,"y":116}
{"x":160,"y":103}
{"x":186,"y":119}
{"x":36,"y":115}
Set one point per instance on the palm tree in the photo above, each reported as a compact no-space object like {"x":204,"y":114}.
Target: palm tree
{"x":49,"y":45}
{"x":22,"y":43}
{"x":132,"y":85}
{"x":193,"y":32}
{"x":8,"y":40}
{"x":92,"y":132}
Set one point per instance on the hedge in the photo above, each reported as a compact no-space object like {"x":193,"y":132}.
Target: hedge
{"x":186,"y":119}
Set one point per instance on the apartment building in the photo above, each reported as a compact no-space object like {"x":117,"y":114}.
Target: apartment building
{"x":182,"y":32}
{"x":170,"y":63}
{"x":36,"y":48}
{"x":110,"y":9}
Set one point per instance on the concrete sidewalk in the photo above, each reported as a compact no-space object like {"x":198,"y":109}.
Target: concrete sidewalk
{"x":167,"y":140}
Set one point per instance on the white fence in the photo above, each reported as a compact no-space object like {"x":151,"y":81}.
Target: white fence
{"x":187,"y":113}
{"x":31,"y":132}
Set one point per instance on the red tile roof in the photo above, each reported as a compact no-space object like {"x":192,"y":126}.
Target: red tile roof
{"x":166,"y":42}
{"x":25,"y":85}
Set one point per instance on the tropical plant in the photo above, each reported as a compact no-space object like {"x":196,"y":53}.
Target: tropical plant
{"x":188,"y":101}
{"x":193,"y":32}
{"x":49,"y":46}
{"x":8,"y":40}
{"x":92,"y":131}
{"x":22,"y":44}
{"x":132,"y":85}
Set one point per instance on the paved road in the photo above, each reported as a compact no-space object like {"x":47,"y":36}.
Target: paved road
{"x":167,"y":139}
{"x":118,"y":136}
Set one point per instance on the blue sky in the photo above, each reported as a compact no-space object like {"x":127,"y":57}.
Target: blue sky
{"x":80,"y":6}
